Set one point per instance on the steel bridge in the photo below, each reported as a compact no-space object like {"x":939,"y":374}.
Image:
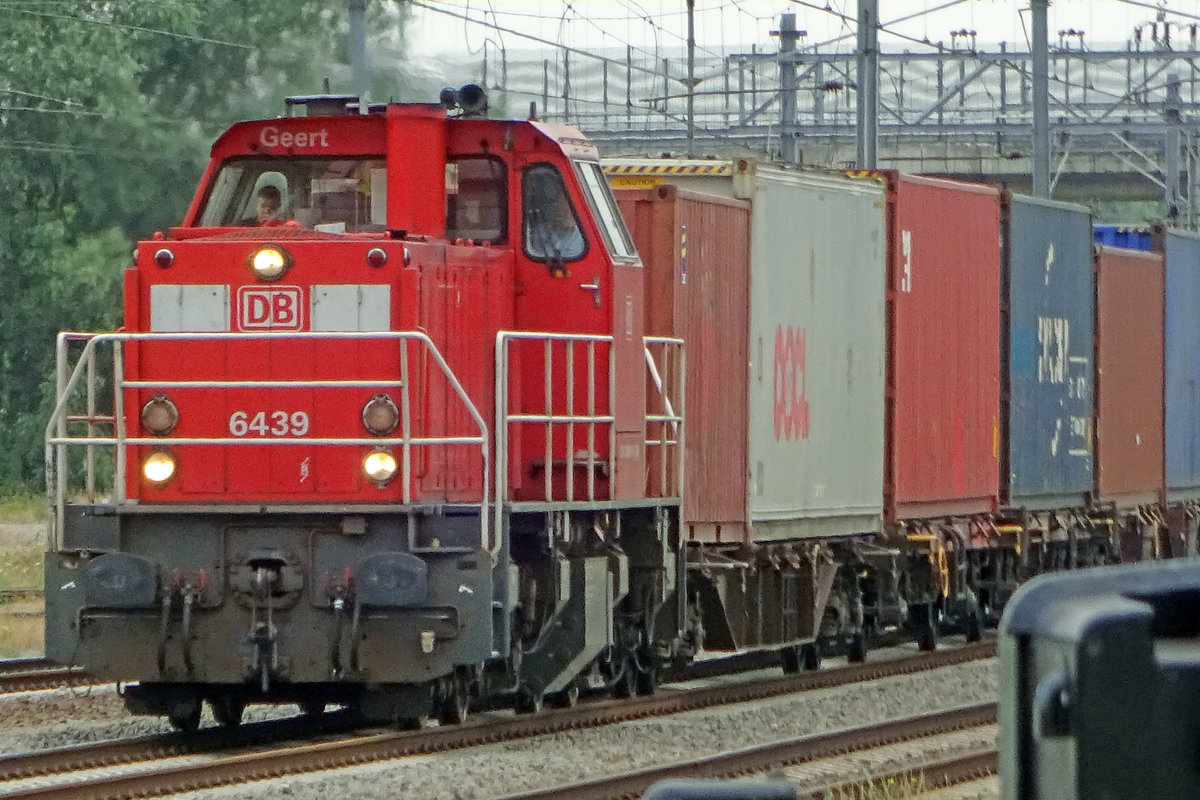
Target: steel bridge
{"x":1122,"y":121}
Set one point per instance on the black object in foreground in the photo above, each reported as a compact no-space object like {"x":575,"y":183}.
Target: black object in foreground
{"x":1100,"y":685}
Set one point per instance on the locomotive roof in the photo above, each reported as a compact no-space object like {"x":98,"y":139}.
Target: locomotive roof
{"x":352,"y":133}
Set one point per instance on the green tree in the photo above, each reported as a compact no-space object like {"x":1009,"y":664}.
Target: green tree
{"x":107,"y":111}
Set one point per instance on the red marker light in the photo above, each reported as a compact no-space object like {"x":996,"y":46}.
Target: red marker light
{"x":376,"y":257}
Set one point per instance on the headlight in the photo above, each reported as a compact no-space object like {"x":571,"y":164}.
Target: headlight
{"x":380,"y":415}
{"x":158,"y":467}
{"x":380,"y":466}
{"x":160,"y":416}
{"x":269,"y":262}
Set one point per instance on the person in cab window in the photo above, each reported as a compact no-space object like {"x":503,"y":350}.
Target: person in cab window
{"x":555,"y":230}
{"x":266,"y":205}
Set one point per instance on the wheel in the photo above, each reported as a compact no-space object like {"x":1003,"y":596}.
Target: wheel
{"x":856,"y":646}
{"x":566,"y":698}
{"x":810,"y":656}
{"x":410,"y":723}
{"x":454,"y":708}
{"x":973,"y":624}
{"x":626,"y":685}
{"x":227,"y":710}
{"x":927,"y":629}
{"x":311,"y":708}
{"x":528,"y":700}
{"x":789,"y":659}
{"x":185,"y":715}
{"x":647,"y":679}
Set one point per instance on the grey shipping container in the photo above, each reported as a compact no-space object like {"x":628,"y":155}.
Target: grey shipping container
{"x":814,"y":386}
{"x":1047,"y":370}
{"x":1181,"y":367}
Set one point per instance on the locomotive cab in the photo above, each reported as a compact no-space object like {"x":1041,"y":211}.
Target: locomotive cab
{"x":361,"y":398}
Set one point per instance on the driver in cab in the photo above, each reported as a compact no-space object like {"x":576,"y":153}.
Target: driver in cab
{"x":266,"y":206}
{"x":554,"y":230}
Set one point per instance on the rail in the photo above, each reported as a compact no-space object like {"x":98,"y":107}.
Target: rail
{"x":68,"y":378}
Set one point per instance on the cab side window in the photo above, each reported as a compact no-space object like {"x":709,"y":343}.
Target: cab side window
{"x":550,"y":222}
{"x":476,"y":204}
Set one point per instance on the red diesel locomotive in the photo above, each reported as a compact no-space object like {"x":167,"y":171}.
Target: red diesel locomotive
{"x":382,"y":419}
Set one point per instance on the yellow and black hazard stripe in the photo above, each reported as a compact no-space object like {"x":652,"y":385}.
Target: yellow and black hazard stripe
{"x":648,"y":176}
{"x":716,"y":168}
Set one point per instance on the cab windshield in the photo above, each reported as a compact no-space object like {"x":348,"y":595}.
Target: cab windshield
{"x":336,"y":195}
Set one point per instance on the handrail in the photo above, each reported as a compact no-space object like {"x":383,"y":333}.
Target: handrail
{"x":569,"y":418}
{"x":57,"y":439}
{"x":669,"y":383}
{"x":670,"y":380}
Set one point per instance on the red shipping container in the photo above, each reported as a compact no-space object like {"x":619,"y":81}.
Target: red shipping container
{"x":1129,"y":376}
{"x":944,"y":349}
{"x":697,"y":288}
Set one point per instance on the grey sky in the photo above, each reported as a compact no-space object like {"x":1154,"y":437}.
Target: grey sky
{"x":724,"y":25}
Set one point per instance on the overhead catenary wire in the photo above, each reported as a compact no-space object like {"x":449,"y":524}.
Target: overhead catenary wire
{"x":532,"y":37}
{"x":1160,"y":7}
{"x":37,"y":96}
{"x":33,"y":146}
{"x":123,"y":26}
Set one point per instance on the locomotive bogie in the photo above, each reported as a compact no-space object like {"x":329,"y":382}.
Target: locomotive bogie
{"x":594,"y":603}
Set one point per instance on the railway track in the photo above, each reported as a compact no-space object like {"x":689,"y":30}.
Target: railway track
{"x":176,"y":763}
{"x":975,"y":762}
{"x":31,"y":674}
{"x":9,"y":596}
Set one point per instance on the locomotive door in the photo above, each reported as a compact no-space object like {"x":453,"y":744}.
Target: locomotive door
{"x":564,"y":288}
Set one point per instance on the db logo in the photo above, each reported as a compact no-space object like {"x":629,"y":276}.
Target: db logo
{"x":276,"y":309}
{"x":791,"y":406}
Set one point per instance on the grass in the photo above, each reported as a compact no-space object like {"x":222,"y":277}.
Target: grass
{"x":21,"y":568}
{"x":21,"y":623}
{"x":21,"y":631}
{"x":23,"y":508}
{"x":904,"y":788}
{"x":21,"y":565}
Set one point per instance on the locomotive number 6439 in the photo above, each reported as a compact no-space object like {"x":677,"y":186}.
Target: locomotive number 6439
{"x":268,"y":423}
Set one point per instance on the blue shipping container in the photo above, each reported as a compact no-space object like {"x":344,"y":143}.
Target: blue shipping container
{"x":1181,"y":370}
{"x":1131,"y":237}
{"x":1049,"y":282}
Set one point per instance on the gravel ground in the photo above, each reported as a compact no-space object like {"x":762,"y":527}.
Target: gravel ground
{"x":513,"y":767}
{"x":54,"y":718}
{"x":986,"y":789}
{"x":58,"y":717}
